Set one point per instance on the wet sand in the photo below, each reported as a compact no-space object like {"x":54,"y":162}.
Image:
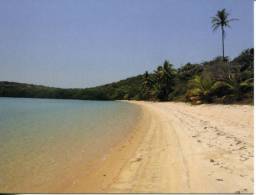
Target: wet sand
{"x":178,"y":148}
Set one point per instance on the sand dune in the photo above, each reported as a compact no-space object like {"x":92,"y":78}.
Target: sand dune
{"x":180,"y":148}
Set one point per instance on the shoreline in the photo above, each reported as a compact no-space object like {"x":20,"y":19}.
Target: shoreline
{"x":178,"y":148}
{"x":106,"y":168}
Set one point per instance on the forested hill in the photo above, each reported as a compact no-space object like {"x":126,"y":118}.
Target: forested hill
{"x":219,"y":80}
{"x":124,"y":89}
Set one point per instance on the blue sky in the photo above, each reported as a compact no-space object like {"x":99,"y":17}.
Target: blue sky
{"x":84,"y":43}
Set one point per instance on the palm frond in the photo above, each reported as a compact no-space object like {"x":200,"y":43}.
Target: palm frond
{"x":232,"y":19}
{"x":215,"y":19}
{"x":221,"y":19}
{"x":215,"y":27}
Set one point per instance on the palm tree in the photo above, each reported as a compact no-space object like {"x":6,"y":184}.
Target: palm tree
{"x":147,"y":86}
{"x":164,"y":77}
{"x":222,"y":20}
{"x":202,"y":87}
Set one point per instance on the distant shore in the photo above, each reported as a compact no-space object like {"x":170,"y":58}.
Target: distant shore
{"x":177,"y":147}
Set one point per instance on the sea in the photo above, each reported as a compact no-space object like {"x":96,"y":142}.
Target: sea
{"x":45,"y":141}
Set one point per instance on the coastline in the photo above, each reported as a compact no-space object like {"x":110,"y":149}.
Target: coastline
{"x":105,"y":170}
{"x":178,"y":148}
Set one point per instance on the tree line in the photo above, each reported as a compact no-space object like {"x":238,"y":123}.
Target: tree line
{"x":215,"y":81}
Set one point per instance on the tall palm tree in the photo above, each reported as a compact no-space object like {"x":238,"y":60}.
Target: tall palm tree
{"x":222,"y":20}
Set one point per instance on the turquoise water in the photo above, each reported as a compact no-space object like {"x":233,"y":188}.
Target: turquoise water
{"x":42,"y":141}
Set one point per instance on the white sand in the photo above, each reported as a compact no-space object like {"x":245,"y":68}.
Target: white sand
{"x":180,"y":148}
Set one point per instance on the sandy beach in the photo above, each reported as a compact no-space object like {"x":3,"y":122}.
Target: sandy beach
{"x":179,"y":148}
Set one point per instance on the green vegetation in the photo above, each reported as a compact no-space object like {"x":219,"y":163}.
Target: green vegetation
{"x":215,"y":81}
{"x":125,"y":89}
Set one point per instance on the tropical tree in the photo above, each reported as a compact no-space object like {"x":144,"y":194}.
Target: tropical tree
{"x":147,"y":87}
{"x":188,"y":71}
{"x":245,"y":59}
{"x":231,"y":82}
{"x":222,"y":20}
{"x":201,"y":88}
{"x":164,"y":80}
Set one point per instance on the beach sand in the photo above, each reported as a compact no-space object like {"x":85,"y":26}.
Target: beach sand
{"x":178,"y":148}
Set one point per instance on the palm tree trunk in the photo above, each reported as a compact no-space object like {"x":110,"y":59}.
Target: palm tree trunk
{"x":222,"y":31}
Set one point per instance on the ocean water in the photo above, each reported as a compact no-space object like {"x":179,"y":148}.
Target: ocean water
{"x":43,"y":142}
